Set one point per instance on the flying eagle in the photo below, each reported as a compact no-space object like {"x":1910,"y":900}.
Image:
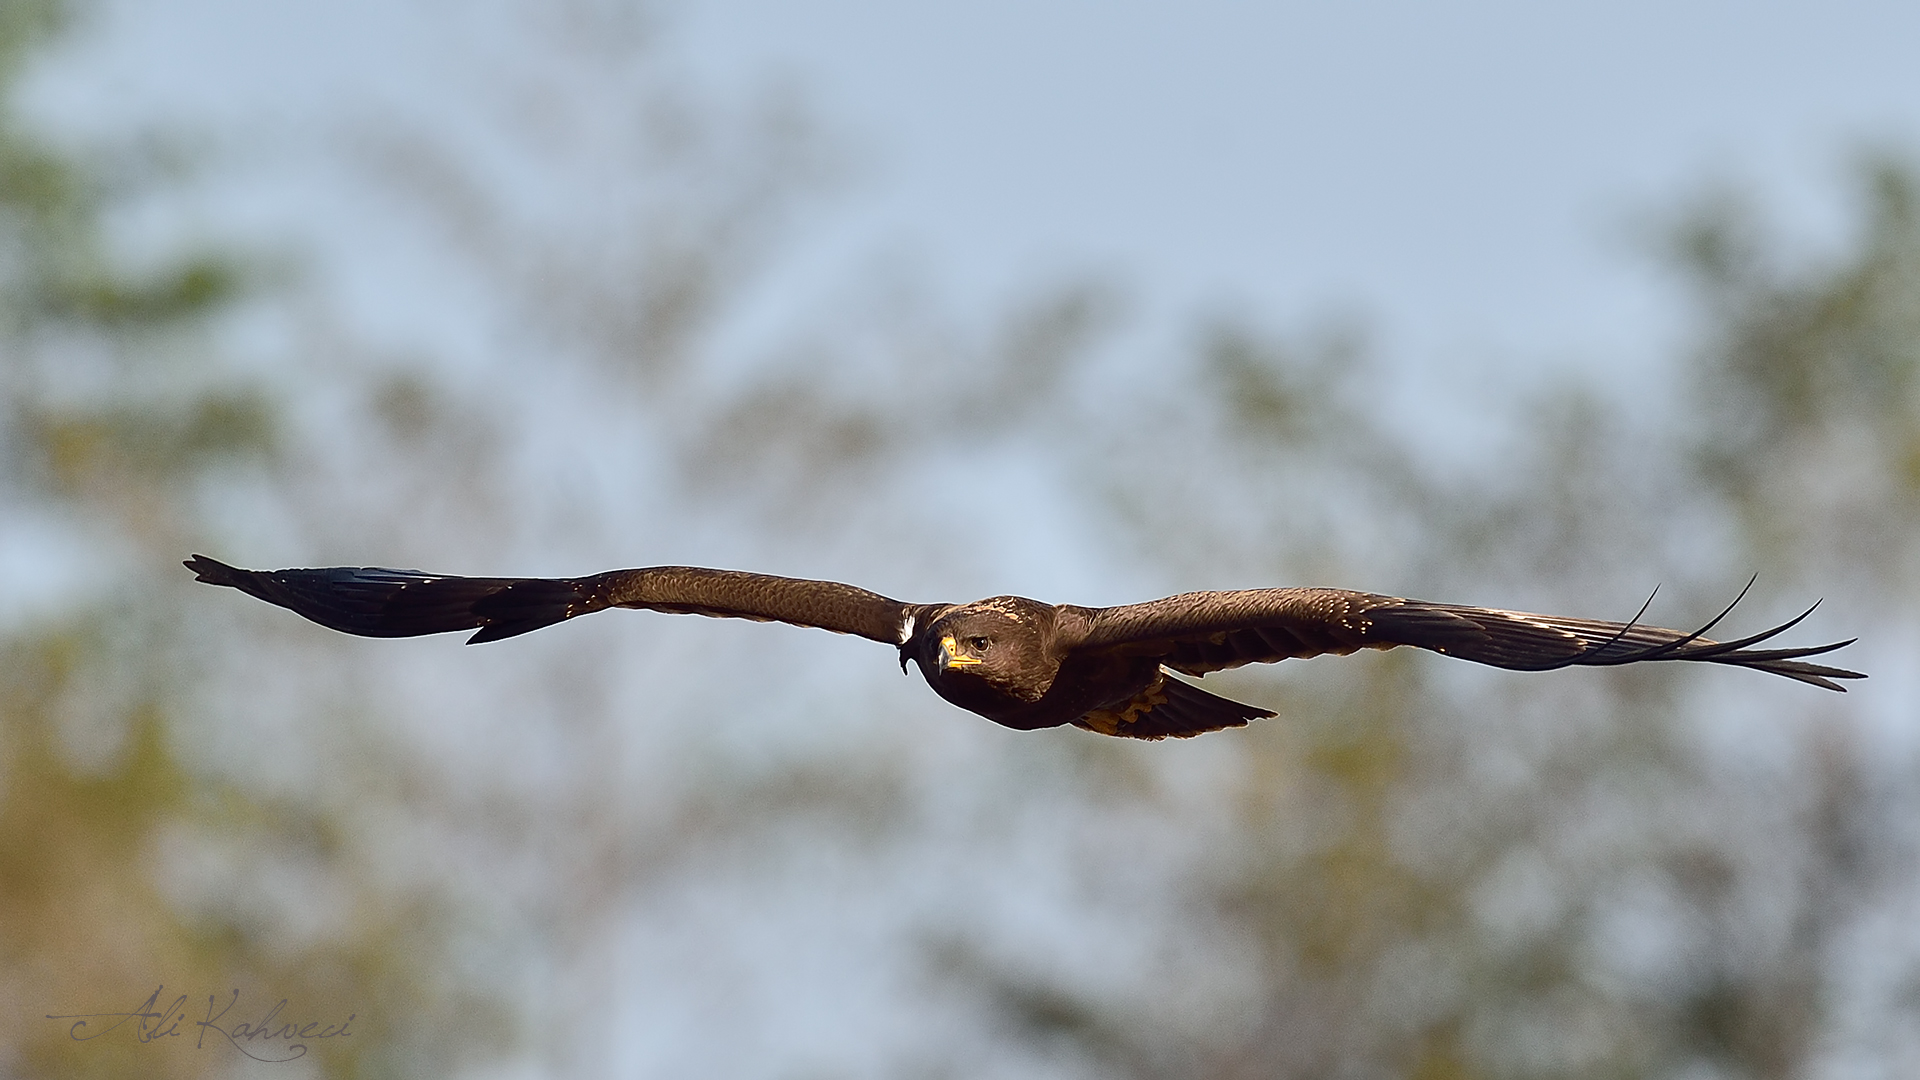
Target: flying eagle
{"x":1019,"y":662}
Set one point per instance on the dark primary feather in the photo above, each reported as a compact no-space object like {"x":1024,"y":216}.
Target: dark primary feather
{"x":373,"y":601}
{"x":1200,"y":632}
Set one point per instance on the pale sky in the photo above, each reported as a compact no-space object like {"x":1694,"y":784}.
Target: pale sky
{"x":1462,"y":171}
{"x":1465,"y":175}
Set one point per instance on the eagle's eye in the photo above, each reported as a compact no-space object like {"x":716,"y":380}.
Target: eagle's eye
{"x":979,"y":643}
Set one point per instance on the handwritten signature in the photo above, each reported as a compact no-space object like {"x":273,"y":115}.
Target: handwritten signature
{"x":270,"y":1039}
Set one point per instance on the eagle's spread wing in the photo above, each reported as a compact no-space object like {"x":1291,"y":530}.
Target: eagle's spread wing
{"x":376,"y":602}
{"x":1200,"y":632}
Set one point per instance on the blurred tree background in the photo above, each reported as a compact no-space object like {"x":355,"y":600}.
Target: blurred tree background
{"x":118,"y":417}
{"x":651,"y":846}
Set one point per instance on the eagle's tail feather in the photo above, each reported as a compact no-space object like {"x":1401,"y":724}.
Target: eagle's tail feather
{"x":1171,"y":708}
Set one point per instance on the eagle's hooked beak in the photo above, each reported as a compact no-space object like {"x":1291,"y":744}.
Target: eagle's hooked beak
{"x":950,"y":655}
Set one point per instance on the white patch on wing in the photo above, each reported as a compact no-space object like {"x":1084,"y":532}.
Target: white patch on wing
{"x":906,"y":628}
{"x":1538,"y":622}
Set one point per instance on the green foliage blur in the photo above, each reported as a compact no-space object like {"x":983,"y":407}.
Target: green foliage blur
{"x":115,"y":415}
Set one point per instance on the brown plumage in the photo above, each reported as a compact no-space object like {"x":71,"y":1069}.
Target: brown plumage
{"x":1019,"y":662}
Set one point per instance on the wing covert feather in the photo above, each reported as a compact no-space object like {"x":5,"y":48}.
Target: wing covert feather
{"x":1198,"y":632}
{"x":737,"y":594}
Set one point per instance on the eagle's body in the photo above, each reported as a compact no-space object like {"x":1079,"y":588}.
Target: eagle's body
{"x":1020,"y":662}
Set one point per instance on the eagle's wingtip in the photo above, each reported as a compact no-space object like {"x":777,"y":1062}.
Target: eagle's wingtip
{"x":209,"y":570}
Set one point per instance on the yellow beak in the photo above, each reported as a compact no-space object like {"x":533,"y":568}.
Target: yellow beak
{"x":950,"y":655}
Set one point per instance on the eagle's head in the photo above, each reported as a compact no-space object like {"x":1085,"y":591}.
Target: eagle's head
{"x":989,"y":654}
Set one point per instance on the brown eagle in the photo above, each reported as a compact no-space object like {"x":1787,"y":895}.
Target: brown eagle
{"x":1016,"y":661}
